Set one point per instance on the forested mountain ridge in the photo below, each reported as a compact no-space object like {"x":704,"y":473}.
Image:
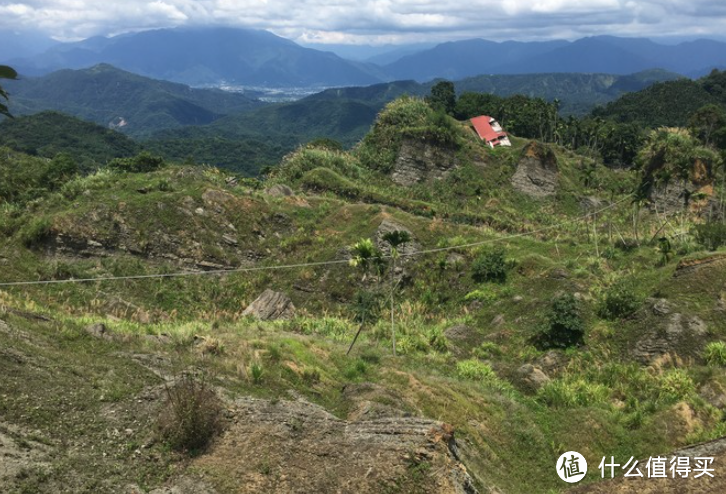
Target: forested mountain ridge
{"x":668,"y":103}
{"x":125,"y":101}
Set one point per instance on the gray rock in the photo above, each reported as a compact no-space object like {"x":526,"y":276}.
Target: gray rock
{"x":404,"y":250}
{"x":459,"y":332}
{"x":680,"y":335}
{"x":99,"y":330}
{"x":270,"y":306}
{"x":537,"y":171}
{"x":660,"y":306}
{"x":591,"y":203}
{"x":714,"y":394}
{"x":559,"y":274}
{"x":279,"y":190}
{"x":419,"y":161}
{"x":532,"y":377}
{"x":498,"y":321}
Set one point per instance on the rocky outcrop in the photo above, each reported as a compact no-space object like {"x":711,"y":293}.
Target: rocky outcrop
{"x":537,"y":171}
{"x":694,"y":193}
{"x":404,"y":250}
{"x":671,"y":334}
{"x":271,"y":305}
{"x":689,"y":266}
{"x":279,"y":190}
{"x":296,"y":446}
{"x":420,"y":161}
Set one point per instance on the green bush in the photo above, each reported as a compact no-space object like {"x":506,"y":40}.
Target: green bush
{"x":193,"y":415}
{"x":141,"y":163}
{"x":35,"y":232}
{"x":711,"y":235}
{"x":676,"y":385}
{"x":490,"y":265}
{"x":715,"y":353}
{"x":619,"y":300}
{"x":474,"y":370}
{"x":572,"y":393}
{"x":565,"y":324}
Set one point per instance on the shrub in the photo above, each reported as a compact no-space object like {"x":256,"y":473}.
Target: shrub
{"x":141,"y":163}
{"x":474,"y":370}
{"x":676,"y":385}
{"x":711,"y":235}
{"x":490,"y":265}
{"x":192,"y":416}
{"x":35,"y":232}
{"x":256,"y":372}
{"x":565,"y":324}
{"x":619,"y":300}
{"x":715,"y":353}
{"x":572,"y":393}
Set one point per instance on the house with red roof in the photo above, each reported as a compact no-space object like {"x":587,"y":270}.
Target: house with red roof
{"x":489,"y":131}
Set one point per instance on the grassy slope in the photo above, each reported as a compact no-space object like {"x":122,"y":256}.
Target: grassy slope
{"x":601,"y":403}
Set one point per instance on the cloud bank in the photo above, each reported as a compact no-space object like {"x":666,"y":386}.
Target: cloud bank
{"x":376,"y":21}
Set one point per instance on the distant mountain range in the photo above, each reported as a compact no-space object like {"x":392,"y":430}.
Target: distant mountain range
{"x":208,"y":56}
{"x":599,"y":54}
{"x":245,"y":57}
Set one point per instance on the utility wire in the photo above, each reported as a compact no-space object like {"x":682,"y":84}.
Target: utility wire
{"x":307,"y":264}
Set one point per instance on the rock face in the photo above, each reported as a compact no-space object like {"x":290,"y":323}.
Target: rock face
{"x":673,"y":334}
{"x":536,"y":173}
{"x":419,"y":161}
{"x":271,"y":305}
{"x":694,"y":193}
{"x":296,"y":446}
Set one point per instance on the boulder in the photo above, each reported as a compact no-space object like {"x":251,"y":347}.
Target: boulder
{"x":537,"y":171}
{"x":99,"y":330}
{"x":532,"y":377}
{"x":271,"y":305}
{"x":279,"y":190}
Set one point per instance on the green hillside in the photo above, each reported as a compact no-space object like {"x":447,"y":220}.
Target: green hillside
{"x":48,"y":133}
{"x":130,"y":103}
{"x":668,"y":103}
{"x":536,"y":308}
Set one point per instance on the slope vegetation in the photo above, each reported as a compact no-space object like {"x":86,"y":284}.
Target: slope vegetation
{"x":526,"y":325}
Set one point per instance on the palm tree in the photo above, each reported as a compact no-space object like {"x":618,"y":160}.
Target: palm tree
{"x":365,"y":256}
{"x":395,"y":239}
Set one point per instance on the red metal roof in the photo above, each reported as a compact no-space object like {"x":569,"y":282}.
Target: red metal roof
{"x":483,"y":127}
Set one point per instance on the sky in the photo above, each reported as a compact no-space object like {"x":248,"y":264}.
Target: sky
{"x":376,"y":22}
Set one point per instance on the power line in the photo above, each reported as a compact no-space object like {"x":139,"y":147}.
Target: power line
{"x":307,"y":264}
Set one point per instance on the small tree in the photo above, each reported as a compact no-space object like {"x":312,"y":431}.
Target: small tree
{"x":490,"y":265}
{"x":443,"y":97}
{"x":6,"y":73}
{"x":565,"y":324}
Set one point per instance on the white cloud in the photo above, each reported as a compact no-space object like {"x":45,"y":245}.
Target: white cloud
{"x":376,"y":21}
